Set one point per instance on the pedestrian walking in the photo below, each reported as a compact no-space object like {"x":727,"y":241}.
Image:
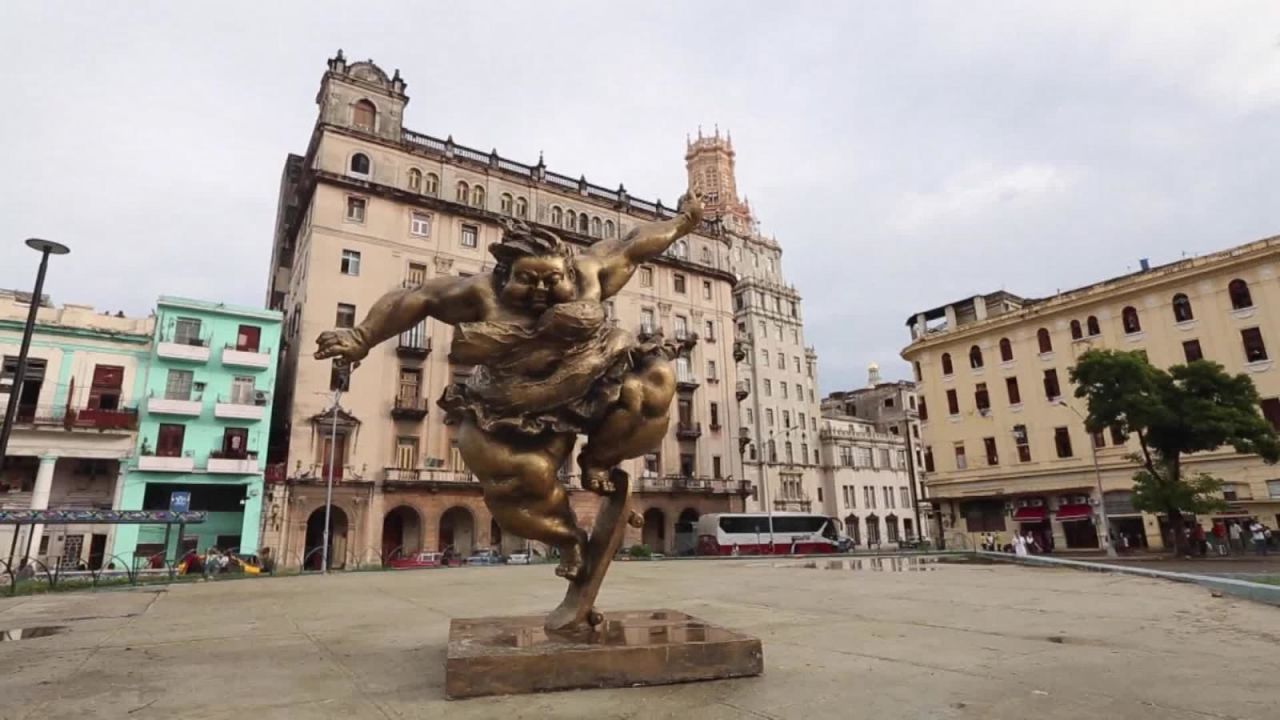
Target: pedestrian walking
{"x":1259,"y":534}
{"x":1235,"y":534}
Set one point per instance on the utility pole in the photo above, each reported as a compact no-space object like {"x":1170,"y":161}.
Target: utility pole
{"x":1104,"y":535}
{"x":45,"y":248}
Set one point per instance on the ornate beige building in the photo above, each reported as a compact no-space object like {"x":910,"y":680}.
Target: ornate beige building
{"x":778,"y":416}
{"x":1004,"y":442}
{"x":372,"y":206}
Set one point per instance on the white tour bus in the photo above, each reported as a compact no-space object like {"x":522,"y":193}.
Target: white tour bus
{"x":748,"y":533}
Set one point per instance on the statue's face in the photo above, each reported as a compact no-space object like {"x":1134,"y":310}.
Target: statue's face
{"x":537,"y":283}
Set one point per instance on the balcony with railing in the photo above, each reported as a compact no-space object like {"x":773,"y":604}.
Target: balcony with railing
{"x":694,"y":484}
{"x":241,"y":406}
{"x":412,"y":345}
{"x":688,"y":430}
{"x":245,"y":357}
{"x":151,"y":462}
{"x":232,"y":462}
{"x":187,"y":405}
{"x":793,"y":504}
{"x":686,"y":380}
{"x":428,"y":478}
{"x":739,"y":350}
{"x":63,"y":418}
{"x":183,"y":346}
{"x":409,"y":408}
{"x":742,"y":389}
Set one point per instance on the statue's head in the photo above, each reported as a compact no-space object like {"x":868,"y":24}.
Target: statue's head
{"x":535,"y":268}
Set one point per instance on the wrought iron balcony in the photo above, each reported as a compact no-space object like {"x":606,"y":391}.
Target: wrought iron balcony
{"x":432,"y":479}
{"x":409,"y":408}
{"x":687,"y":381}
{"x":689,"y":430}
{"x":693,"y":484}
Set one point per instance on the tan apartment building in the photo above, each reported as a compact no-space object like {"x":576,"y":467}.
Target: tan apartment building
{"x":373,"y":206}
{"x":778,"y":415}
{"x":1005,"y":444}
{"x":866,"y":481}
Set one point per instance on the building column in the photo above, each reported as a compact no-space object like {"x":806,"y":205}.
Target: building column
{"x":251,"y":520}
{"x":40,"y":501}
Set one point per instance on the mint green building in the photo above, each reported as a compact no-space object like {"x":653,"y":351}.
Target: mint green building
{"x":203,"y":425}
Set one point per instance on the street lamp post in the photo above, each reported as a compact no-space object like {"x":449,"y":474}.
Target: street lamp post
{"x":46,"y":248}
{"x":1097,"y":474}
{"x":343,"y":375}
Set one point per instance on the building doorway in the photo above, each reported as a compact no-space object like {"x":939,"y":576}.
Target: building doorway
{"x":401,"y":533}
{"x":654,"y":534}
{"x":337,"y":539}
{"x":686,"y":532}
{"x":457,"y":531}
{"x":1080,"y":534}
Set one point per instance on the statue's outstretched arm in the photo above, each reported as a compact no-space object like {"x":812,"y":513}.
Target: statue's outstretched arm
{"x":449,"y":299}
{"x":620,"y":257}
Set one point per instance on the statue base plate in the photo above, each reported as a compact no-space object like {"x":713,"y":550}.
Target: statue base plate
{"x":515,"y":655}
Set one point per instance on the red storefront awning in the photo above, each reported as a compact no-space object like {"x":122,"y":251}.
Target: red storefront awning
{"x":1080,"y":511}
{"x":1029,"y":514}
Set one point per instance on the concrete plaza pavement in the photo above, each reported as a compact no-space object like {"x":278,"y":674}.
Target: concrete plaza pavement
{"x":840,"y":640}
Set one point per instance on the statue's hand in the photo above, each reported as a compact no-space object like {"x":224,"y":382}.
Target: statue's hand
{"x":346,"y":344}
{"x":691,"y":205}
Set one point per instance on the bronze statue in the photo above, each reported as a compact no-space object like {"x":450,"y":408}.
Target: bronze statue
{"x":548,"y":367}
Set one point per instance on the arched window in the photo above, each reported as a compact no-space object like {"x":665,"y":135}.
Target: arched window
{"x":522,"y":208}
{"x":946,"y":364}
{"x":1182,"y":308}
{"x":1239,"y":292}
{"x":431,"y":184}
{"x":477,"y":196}
{"x":506,"y":203}
{"x":462,"y":193}
{"x":359,"y":164}
{"x":557,"y":215}
{"x":570,"y":219}
{"x":584,"y":223}
{"x":975,"y":357}
{"x":597,"y":227}
{"x":1129,"y":319}
{"x":1076,"y":332}
{"x":609,"y":228}
{"x":364,"y":115}
{"x":415,"y":179}
{"x":1092,"y":326}
{"x":680,"y":249}
{"x":1046,"y":344}
{"x":1006,"y":350}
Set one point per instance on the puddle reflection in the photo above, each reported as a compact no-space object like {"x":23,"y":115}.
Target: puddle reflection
{"x":31,"y":633}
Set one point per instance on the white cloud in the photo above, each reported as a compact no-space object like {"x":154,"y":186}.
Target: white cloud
{"x":977,"y":193}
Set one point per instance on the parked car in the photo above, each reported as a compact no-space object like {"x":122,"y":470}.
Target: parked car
{"x":422,"y":559}
{"x":485,"y":557}
{"x":520,"y":558}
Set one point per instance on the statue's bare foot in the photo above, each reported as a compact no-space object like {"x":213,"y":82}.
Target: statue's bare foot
{"x":598,"y":480}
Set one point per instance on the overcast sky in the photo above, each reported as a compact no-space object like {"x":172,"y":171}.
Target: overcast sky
{"x":904,"y":154}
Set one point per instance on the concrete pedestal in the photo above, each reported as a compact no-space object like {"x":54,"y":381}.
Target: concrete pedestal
{"x":514,"y":655}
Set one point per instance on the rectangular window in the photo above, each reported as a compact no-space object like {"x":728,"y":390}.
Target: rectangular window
{"x":981,"y":399}
{"x":406,"y":452}
{"x":993,"y":457}
{"x":1271,"y":411}
{"x":1254,"y":349}
{"x":169,"y":440}
{"x":350,"y":263}
{"x":768,"y":388}
{"x":869,"y":497}
{"x":346,"y":317}
{"x":928,"y":458}
{"x":716,"y":471}
{"x":715,"y":415}
{"x":1099,"y":440}
{"x":104,"y":392}
{"x":410,"y":384}
{"x":710,"y":330}
{"x":784,"y":390}
{"x":905,"y":495}
{"x":711,"y":370}
{"x":786,"y":418}
{"x":248,"y":338}
{"x":1023,"y":443}
{"x":1015,"y":395}
{"x":1273,"y":488}
{"x":177,"y":385}
{"x":646,"y":320}
{"x":961,"y":462}
{"x":678,"y":283}
{"x":751,"y":417}
{"x":420,"y":224}
{"x":186,"y":331}
{"x":924,"y":411}
{"x":1062,"y":441}
{"x":646,"y":277}
{"x":416,"y":276}
{"x":651,"y":464}
{"x":355,"y":209}
{"x":953,"y":402}
{"x":768,"y":416}
{"x":470,"y":236}
{"x":888,"y":496}
{"x":706,"y":289}
{"x":242,"y":390}
{"x":1118,"y":436}
{"x":884,"y":457}
{"x":1052,"y":391}
{"x":1191,"y":350}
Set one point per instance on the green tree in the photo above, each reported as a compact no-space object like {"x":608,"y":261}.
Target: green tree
{"x":1187,"y":409}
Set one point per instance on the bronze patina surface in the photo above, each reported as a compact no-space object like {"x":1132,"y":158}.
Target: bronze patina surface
{"x":512,"y":655}
{"x":548,"y":366}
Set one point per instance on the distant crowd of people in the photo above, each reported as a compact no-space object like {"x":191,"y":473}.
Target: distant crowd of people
{"x":1230,"y":537}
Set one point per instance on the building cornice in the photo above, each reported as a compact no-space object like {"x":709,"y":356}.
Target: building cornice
{"x":437,"y":204}
{"x":78,"y":332}
{"x":1177,"y":272}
